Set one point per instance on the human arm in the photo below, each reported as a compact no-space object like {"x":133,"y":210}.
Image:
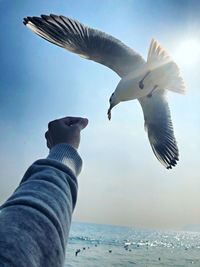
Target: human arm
{"x":35,"y":220}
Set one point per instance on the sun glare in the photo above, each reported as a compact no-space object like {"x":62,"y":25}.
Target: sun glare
{"x":187,"y":53}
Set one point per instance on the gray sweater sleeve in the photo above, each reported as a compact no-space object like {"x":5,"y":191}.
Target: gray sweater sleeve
{"x":35,"y":220}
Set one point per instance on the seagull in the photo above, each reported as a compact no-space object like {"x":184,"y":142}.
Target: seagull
{"x":147,"y":81}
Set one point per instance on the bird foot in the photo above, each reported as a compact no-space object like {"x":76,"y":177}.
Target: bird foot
{"x":151,"y":93}
{"x":141,"y":83}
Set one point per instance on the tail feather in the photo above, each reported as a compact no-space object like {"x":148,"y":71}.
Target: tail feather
{"x":165,"y":69}
{"x":177,"y":85}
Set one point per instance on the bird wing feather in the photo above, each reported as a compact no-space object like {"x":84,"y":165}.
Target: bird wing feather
{"x":159,"y":128}
{"x":87,"y":42}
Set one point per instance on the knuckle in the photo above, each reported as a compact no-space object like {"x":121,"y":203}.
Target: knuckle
{"x":46,"y":134}
{"x":51,"y":124}
{"x":48,"y":145}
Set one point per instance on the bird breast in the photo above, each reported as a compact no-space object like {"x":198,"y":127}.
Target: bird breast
{"x":129,"y":89}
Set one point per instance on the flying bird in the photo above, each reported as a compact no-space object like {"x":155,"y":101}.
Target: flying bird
{"x":147,"y":81}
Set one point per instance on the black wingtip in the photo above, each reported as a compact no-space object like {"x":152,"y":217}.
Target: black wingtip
{"x":25,"y":21}
{"x":52,"y":15}
{"x":45,"y":17}
{"x":169,"y":167}
{"x":172,"y":164}
{"x":31,"y":19}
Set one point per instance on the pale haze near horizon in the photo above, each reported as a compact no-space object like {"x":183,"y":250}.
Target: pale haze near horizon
{"x":122,"y":182}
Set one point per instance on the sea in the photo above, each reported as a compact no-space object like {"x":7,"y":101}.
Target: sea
{"x":95,"y":245}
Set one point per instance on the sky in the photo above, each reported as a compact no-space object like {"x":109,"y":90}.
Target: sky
{"x":122,"y":182}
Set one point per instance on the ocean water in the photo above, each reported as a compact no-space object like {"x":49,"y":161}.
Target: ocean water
{"x":105,"y":245}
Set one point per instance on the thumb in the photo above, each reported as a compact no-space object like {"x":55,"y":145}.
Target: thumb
{"x":81,"y":123}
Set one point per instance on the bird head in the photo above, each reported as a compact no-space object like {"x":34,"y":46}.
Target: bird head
{"x":113,"y":102}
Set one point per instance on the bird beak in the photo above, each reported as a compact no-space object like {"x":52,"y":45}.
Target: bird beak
{"x":109,"y":113}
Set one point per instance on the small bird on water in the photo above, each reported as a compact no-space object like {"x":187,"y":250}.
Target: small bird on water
{"x":147,"y":81}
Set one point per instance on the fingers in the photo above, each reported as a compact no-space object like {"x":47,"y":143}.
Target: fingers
{"x":81,"y":123}
{"x":49,"y":139}
{"x":69,"y":121}
{"x":48,"y":145}
{"x":51,"y":124}
{"x":65,"y":130}
{"x":46,"y":136}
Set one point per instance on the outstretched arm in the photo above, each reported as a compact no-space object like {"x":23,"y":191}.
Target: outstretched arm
{"x":35,"y":220}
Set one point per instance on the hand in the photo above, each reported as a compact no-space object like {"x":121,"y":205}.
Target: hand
{"x":66,"y":130}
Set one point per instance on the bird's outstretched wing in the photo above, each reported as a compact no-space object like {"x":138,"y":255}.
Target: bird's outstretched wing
{"x":87,"y":42}
{"x":160,"y":129}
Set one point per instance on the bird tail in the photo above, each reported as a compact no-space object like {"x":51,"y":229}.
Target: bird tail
{"x":165,"y":68}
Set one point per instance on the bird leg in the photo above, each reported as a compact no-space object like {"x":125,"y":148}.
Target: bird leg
{"x":141,"y":83}
{"x":154,"y":88}
{"x":109,"y":114}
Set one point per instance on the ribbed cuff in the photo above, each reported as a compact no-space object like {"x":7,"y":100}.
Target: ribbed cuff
{"x":67,"y":155}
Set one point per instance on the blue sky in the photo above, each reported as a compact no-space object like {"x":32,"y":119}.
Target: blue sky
{"x":122,"y":182}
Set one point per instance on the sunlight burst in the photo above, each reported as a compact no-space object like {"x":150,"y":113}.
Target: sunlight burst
{"x":188,"y":52}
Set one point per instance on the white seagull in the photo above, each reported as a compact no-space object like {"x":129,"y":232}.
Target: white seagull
{"x":147,"y":81}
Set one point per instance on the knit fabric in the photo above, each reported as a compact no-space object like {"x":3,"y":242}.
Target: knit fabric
{"x":67,"y":155}
{"x":35,"y":220}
